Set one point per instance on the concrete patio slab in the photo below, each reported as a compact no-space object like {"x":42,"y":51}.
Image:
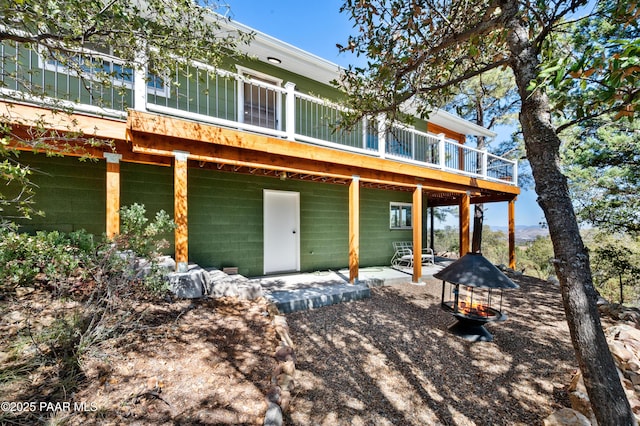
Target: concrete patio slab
{"x":302,"y":291}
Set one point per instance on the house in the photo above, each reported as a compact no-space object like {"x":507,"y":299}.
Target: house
{"x":249,"y":163}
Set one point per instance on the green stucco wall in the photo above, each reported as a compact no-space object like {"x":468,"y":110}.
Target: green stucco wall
{"x":225,"y":211}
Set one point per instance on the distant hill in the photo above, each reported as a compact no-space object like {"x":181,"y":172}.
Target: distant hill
{"x":524,"y":233}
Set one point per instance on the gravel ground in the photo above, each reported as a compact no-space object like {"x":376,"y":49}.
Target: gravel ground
{"x":389,"y":360}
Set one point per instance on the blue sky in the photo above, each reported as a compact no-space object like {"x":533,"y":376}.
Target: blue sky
{"x":316,"y":27}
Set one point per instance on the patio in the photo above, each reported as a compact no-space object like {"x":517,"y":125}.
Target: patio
{"x":304,"y":291}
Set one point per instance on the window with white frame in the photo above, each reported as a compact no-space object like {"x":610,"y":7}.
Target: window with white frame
{"x":400,"y":215}
{"x":98,"y":66}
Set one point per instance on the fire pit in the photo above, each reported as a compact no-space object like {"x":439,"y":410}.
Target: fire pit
{"x":473,"y":285}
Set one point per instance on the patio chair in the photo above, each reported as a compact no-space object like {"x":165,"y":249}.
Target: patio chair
{"x":403,"y":255}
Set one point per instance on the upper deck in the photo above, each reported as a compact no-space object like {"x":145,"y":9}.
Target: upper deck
{"x":245,"y":101}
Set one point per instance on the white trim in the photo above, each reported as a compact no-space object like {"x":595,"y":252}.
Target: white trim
{"x":27,"y":98}
{"x":115,"y":80}
{"x":402,"y":206}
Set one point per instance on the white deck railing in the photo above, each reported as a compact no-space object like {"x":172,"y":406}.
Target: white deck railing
{"x":199,"y":92}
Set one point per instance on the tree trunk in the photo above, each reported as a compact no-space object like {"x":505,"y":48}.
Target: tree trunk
{"x":478,"y":218}
{"x":608,"y":400}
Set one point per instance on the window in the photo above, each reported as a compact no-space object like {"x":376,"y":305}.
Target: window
{"x":260,"y":102}
{"x":400,"y":216}
{"x":96,"y":66}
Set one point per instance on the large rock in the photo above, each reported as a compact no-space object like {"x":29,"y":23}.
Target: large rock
{"x":198,"y":282}
{"x":566,"y":417}
{"x":624,"y":343}
{"x":223,"y":285}
{"x":190,"y":284}
{"x":273,"y":416}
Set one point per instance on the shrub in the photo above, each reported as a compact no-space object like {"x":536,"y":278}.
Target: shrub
{"x":50,"y":257}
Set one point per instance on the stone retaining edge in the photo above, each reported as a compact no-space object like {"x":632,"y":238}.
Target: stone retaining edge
{"x":282,"y":378}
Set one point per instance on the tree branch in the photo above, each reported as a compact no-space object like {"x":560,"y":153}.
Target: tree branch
{"x":463,"y":77}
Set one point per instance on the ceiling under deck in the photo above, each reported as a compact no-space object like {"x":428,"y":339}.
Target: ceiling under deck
{"x":433,"y":198}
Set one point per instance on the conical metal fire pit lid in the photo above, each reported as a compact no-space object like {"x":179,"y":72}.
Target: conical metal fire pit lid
{"x":474,"y":270}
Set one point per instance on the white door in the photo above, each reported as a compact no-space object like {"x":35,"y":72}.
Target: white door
{"x":281,"y":231}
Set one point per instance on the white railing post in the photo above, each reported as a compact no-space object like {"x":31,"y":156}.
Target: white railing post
{"x":290,"y":110}
{"x":515,"y":172}
{"x":365,"y":129}
{"x":140,"y":78}
{"x":413,"y":146}
{"x":442,"y":160}
{"x":485,"y":162}
{"x":382,"y":136}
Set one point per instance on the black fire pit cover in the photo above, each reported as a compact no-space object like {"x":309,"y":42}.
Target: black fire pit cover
{"x":474,"y":270}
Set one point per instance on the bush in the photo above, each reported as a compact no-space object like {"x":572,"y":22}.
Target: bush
{"x":50,"y":257}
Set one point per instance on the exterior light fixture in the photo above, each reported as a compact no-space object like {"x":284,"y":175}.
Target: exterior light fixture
{"x":273,"y":60}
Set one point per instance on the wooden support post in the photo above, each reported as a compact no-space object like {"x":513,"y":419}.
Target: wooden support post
{"x":464,"y":220}
{"x":180,"y":210}
{"x":417,"y":234}
{"x":354,"y":229}
{"x":512,"y":234}
{"x":113,"y":193}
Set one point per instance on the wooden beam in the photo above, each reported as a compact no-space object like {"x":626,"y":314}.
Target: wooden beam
{"x":417,"y":234}
{"x":302,"y":166}
{"x":180,"y":211}
{"x":512,"y":234}
{"x":33,"y":116}
{"x":354,"y":229}
{"x":491,"y":198}
{"x":113,"y":194}
{"x":176,"y":134}
{"x":464,"y":221}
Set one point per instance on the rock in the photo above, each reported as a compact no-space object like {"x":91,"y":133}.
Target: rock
{"x":620,"y":352}
{"x":250,"y":291}
{"x":190,"y":284}
{"x":288,"y":367}
{"x":286,"y":381}
{"x":223,"y":289}
{"x":280,"y":320}
{"x":273,"y":417}
{"x":285,"y":400}
{"x":274,"y":395}
{"x":23,"y":291}
{"x":578,"y":397}
{"x":553,"y":280}
{"x":285,"y":353}
{"x":223,"y":285}
{"x":566,"y":417}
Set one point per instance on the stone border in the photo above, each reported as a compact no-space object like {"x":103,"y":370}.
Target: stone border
{"x":282,"y":378}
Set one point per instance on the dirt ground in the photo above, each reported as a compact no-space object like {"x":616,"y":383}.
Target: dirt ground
{"x":387,"y":360}
{"x":390,"y":360}
{"x":187,"y":363}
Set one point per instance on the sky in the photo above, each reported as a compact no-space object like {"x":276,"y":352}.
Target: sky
{"x":316,"y":26}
